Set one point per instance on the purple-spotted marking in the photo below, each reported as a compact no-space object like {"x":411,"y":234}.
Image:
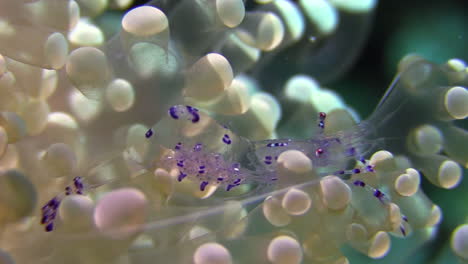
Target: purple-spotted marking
{"x":226,"y":139}
{"x":236,"y":183}
{"x":180,"y":163}
{"x":268,"y":160}
{"x":173,"y":112}
{"x":402,"y":229}
{"x":376,"y":192}
{"x":68,"y":190}
{"x":379,"y":195}
{"x":149,"y":133}
{"x":359,"y":183}
{"x":370,"y":168}
{"x":178,"y":146}
{"x":49,"y":212}
{"x":201,"y":169}
{"x":49,"y":227}
{"x":194,"y":112}
{"x":203,"y":185}
{"x":181,"y":176}
{"x":78,"y":183}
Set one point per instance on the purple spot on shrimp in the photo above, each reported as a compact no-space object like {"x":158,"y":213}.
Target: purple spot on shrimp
{"x":402,"y":229}
{"x":49,"y":212}
{"x":178,"y":146}
{"x":220,"y":179}
{"x":149,"y":133}
{"x":53,"y":203}
{"x":378,"y":194}
{"x":181,"y":176}
{"x":359,"y":183}
{"x":173,"y":112}
{"x":49,"y":227}
{"x":370,"y":168}
{"x":230,"y":186}
{"x":77,"y":181}
{"x":226,"y":139}
{"x":237,"y":181}
{"x":191,"y":109}
{"x":203,"y":185}
{"x":352,"y":151}
{"x":356,"y":170}
{"x":196,"y":118}
{"x":194,"y":112}
{"x":404,"y":218}
{"x":180,"y":163}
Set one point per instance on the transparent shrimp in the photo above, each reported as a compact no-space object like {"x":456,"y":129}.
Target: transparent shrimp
{"x":209,"y":153}
{"x":205,"y":152}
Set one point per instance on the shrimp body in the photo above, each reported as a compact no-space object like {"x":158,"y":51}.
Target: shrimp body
{"x":224,"y":159}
